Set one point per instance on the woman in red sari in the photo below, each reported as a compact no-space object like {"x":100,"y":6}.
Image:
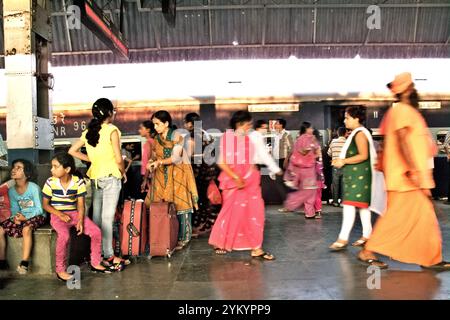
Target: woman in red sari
{"x":240,"y":224}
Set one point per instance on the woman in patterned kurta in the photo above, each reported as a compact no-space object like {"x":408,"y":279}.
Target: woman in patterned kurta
{"x":357,"y":177}
{"x":173,"y":179}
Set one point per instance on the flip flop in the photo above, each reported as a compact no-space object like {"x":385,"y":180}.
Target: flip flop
{"x":374,"y":262}
{"x":442,"y":266}
{"x":359,"y":243}
{"x":220,"y":251}
{"x":265,"y":256}
{"x":337,"y":246}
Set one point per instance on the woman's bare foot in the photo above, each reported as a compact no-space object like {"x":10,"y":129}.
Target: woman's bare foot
{"x":260,"y":253}
{"x":369,"y":258}
{"x":65,"y":276}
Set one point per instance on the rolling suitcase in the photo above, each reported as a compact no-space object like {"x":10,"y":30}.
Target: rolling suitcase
{"x":133,"y":228}
{"x":163,"y":229}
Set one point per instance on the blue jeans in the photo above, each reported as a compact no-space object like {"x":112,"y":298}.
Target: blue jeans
{"x":105,"y":196}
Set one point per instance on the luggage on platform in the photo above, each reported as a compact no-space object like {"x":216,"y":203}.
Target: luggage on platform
{"x":133,"y":228}
{"x":163,"y":229}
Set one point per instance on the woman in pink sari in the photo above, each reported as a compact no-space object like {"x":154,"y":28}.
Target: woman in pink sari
{"x":240,"y":224}
{"x":301,"y":173}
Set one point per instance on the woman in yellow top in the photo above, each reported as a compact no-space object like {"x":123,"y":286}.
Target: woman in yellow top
{"x":102,"y":141}
{"x":173,"y":178}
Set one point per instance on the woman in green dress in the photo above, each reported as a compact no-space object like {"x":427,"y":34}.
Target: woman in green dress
{"x":355,"y":160}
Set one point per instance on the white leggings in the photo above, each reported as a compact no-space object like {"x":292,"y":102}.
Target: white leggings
{"x":348,"y":220}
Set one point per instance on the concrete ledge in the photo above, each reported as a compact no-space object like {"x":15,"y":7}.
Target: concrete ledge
{"x":42,"y":255}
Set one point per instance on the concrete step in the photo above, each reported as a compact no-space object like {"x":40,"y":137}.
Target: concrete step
{"x":42,"y":255}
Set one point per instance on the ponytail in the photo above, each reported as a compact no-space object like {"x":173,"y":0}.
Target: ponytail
{"x":101,"y":110}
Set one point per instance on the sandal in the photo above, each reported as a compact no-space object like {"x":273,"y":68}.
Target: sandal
{"x":373,"y":262}
{"x":442,"y":266}
{"x":125,"y":262}
{"x":338,"y":246}
{"x":62,"y":279}
{"x":265,"y":256}
{"x":220,"y":251}
{"x":95,"y":270}
{"x":360,"y":243}
{"x":111,"y":266}
{"x":318,"y":215}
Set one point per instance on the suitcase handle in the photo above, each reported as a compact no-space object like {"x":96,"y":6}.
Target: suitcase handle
{"x":132,"y":230}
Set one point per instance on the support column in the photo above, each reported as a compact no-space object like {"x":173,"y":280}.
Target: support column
{"x":27,"y":33}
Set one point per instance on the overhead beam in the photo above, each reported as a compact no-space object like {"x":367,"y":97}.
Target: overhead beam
{"x":263,"y":36}
{"x":156,"y":34}
{"x":416,"y":22}
{"x":331,"y":45}
{"x":315,"y":24}
{"x":67,"y":29}
{"x":284,"y":6}
{"x":210,"y":24}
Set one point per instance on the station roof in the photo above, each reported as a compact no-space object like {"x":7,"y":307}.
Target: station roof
{"x":258,"y":29}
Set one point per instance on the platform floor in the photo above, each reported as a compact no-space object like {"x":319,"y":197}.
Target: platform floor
{"x":304,"y":269}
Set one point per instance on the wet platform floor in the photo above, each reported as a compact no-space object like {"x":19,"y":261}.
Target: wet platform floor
{"x":304,"y":269}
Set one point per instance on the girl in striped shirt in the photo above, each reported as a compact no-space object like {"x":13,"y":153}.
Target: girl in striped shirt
{"x":63,"y":198}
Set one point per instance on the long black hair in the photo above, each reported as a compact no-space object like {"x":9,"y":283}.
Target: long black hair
{"x":413,"y":98}
{"x":67,"y":161}
{"x":164,"y":116}
{"x":147,"y":124}
{"x":101,"y":110}
{"x":305,"y":125}
{"x":28,"y":169}
{"x":192,"y":118}
{"x":239,"y":117}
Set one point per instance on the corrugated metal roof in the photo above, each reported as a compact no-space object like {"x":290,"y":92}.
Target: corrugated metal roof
{"x":206,"y":29}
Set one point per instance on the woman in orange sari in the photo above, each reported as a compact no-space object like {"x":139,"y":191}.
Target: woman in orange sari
{"x":408,"y":231}
{"x":173,"y":178}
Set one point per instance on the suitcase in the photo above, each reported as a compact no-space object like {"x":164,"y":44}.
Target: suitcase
{"x":116,"y":232}
{"x":133,"y":228}
{"x":5,"y":206}
{"x":163,"y":229}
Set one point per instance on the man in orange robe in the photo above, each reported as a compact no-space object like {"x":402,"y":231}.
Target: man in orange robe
{"x":408,"y":231}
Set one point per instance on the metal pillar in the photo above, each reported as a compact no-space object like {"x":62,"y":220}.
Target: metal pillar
{"x":27,"y":33}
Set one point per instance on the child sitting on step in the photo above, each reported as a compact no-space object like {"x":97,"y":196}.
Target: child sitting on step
{"x":26,"y":212}
{"x":64,"y":194}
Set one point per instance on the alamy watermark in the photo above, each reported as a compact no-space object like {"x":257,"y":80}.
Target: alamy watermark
{"x":74,"y":17}
{"x":374,"y":20}
{"x":374,"y":280}
{"x":234,"y":151}
{"x":75,"y":281}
